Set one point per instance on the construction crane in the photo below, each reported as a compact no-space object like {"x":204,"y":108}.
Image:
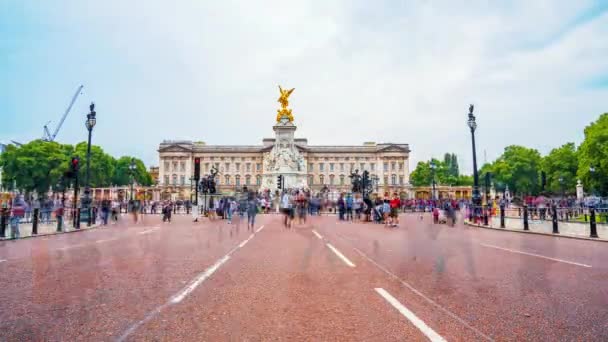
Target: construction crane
{"x":47,"y":134}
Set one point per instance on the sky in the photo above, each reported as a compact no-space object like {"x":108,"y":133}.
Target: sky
{"x":383,"y":71}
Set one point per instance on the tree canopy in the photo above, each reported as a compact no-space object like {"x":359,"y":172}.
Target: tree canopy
{"x":446,"y":172}
{"x":593,"y":154}
{"x":560,"y":166}
{"x":38,"y":165}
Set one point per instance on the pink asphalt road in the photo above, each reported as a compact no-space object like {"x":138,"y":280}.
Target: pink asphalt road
{"x":321,"y":280}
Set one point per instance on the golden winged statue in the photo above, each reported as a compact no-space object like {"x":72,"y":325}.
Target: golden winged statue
{"x":284,"y":101}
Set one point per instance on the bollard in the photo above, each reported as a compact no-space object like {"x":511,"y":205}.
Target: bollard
{"x":59,"y":223}
{"x":554,"y":218}
{"x":519,"y":211}
{"x":526,"y":227}
{"x":175,"y":209}
{"x":89,"y":218}
{"x":470,"y":214}
{"x":593,"y":223}
{"x":3,"y":221}
{"x":35,"y":221}
{"x":485,"y":215}
{"x":77,"y":225}
{"x":94,"y":217}
{"x":502,"y":216}
{"x":585,"y":217}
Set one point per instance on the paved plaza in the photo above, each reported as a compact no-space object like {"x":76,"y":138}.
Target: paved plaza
{"x":320,"y":280}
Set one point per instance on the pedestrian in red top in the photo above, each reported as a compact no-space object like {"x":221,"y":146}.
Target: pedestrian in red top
{"x":395,"y":204}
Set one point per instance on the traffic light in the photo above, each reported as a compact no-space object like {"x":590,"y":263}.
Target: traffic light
{"x":197,"y":168}
{"x":74,"y":167}
{"x":280,"y":182}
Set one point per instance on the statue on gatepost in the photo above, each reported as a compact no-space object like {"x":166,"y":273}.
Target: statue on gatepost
{"x":284,"y":112}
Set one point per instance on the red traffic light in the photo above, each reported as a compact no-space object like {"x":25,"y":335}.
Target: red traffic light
{"x":197,"y":160}
{"x":75,"y":161}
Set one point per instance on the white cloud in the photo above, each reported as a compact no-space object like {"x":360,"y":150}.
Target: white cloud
{"x":386,"y":71}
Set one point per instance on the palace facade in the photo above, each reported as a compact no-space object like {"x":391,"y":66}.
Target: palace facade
{"x":325,"y":166}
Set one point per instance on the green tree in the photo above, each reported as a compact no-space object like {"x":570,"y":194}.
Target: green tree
{"x":518,"y":167}
{"x":455,"y":170}
{"x":561,"y":163}
{"x":35,"y":166}
{"x":593,"y":152}
{"x":122,"y":173}
{"x":421,"y":176}
{"x":101,"y":168}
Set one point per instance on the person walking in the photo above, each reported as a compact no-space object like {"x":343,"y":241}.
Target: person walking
{"x":252,"y":210}
{"x":286,"y":209}
{"x":349,"y":207}
{"x":105,"y":211}
{"x":17,"y":213}
{"x":386,"y":210}
{"x":395,"y":203}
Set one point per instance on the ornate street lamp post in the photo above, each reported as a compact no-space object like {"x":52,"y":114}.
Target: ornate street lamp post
{"x":89,"y":123}
{"x":433,"y":167}
{"x":132,"y":167}
{"x":476,"y":197}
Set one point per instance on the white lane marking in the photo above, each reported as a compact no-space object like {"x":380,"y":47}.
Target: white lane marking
{"x":104,"y":240}
{"x":148,"y":231}
{"x":425,"y":329}
{"x":420,"y":294}
{"x":258,"y":230}
{"x":2,"y":260}
{"x":198,"y":280}
{"x":245,"y":242}
{"x":536,"y":255}
{"x":340,"y":255}
{"x":69,"y":247}
{"x":317,"y":234}
{"x":178,"y":297}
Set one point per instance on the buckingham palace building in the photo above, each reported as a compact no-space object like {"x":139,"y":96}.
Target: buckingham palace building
{"x":301,"y":165}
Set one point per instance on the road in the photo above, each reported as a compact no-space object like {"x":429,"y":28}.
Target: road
{"x":322,"y":280}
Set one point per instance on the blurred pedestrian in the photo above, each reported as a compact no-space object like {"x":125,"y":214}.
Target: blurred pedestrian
{"x":17,"y":213}
{"x":252,"y":210}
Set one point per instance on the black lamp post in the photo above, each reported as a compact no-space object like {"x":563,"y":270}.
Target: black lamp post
{"x":473,"y":126}
{"x":433,"y":167}
{"x":89,"y":123}
{"x":132,"y":174}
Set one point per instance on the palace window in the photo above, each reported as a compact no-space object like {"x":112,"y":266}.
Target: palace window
{"x":182,"y":180}
{"x":247,"y":180}
{"x":182,"y":166}
{"x":400,"y":166}
{"x":321,"y":179}
{"x":321,"y":167}
{"x":237,"y":180}
{"x":217,"y":166}
{"x":362,"y":166}
{"x":227,"y":167}
{"x":385,"y":167}
{"x":372,"y":166}
{"x":227,"y":180}
{"x":331,"y":179}
{"x":174,"y":166}
{"x":393,"y":166}
{"x":311,"y":180}
{"x":167,"y":166}
{"x":341,"y":167}
{"x":258,"y":180}
{"x":238,"y":167}
{"x":258,"y":167}
{"x":341,"y":179}
{"x":311,"y":167}
{"x":331,"y":167}
{"x":166,"y":180}
{"x":174,"y":179}
{"x":232,"y":158}
{"x":393,"y":180}
{"x":401,"y":180}
{"x":385,"y":180}
{"x":248,"y":167}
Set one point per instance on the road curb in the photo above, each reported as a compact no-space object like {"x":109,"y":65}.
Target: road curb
{"x":535,"y":233}
{"x":53,"y":233}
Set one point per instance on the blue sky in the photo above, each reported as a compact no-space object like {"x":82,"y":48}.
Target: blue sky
{"x":385,"y":71}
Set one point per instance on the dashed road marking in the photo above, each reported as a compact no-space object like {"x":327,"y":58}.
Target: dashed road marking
{"x":178,"y":297}
{"x":104,"y":240}
{"x":317,"y":234}
{"x":340,"y":255}
{"x":147,"y":231}
{"x":425,"y":329}
{"x":198,"y":280}
{"x":2,"y":260}
{"x":420,"y":294}
{"x":536,"y":255}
